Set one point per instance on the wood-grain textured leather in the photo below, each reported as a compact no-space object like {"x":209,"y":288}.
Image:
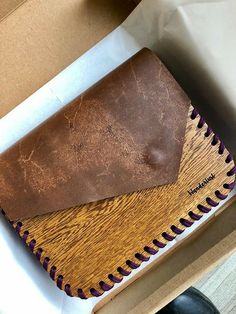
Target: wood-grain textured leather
{"x":124,"y":134}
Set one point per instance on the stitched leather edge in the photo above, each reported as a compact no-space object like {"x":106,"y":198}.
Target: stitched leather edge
{"x":150,"y":251}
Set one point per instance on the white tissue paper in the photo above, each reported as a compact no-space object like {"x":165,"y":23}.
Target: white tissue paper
{"x":196,"y":41}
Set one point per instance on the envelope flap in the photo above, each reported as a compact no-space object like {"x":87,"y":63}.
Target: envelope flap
{"x":124,"y":134}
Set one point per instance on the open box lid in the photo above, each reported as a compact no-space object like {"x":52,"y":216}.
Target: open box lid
{"x":39,"y":39}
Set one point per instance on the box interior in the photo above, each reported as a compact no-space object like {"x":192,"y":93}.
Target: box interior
{"x":41,"y":38}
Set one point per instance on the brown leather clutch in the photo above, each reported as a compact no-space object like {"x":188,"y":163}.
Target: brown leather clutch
{"x":123,"y":135}
{"x":137,"y":153}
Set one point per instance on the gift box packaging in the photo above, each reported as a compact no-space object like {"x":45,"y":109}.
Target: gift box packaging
{"x":38,"y":40}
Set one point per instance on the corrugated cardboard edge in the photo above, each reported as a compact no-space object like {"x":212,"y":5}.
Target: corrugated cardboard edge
{"x":8,"y":7}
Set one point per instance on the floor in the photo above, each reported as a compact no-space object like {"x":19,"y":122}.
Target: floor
{"x":220,"y":286}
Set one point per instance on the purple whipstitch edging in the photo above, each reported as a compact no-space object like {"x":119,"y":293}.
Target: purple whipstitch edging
{"x":186,"y":223}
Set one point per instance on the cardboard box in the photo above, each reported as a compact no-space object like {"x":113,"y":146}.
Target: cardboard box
{"x":38,"y":40}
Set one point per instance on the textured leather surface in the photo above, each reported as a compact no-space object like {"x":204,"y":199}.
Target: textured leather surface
{"x":124,"y":134}
{"x":192,"y":301}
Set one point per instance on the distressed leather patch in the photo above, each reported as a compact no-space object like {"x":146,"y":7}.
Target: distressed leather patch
{"x":124,"y":134}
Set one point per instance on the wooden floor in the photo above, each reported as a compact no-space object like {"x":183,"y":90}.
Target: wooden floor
{"x":220,"y":286}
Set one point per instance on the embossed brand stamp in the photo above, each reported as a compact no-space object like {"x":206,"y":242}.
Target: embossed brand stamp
{"x":201,"y":185}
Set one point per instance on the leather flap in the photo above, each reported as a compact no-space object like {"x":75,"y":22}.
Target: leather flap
{"x":124,"y":134}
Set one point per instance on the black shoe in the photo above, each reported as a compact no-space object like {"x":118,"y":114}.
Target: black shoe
{"x":192,"y":301}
